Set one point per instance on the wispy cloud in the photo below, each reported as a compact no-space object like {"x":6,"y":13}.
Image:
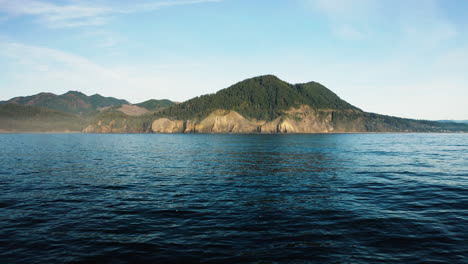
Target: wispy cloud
{"x":344,"y":9}
{"x":348,"y":32}
{"x":421,"y":20}
{"x":56,"y":15}
{"x":102,"y":38}
{"x":410,"y":50}
{"x":347,"y":18}
{"x":79,"y":14}
{"x":57,"y":71}
{"x":31,"y":69}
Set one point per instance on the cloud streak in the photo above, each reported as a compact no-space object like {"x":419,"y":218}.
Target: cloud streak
{"x":82,"y":14}
{"x":32,"y":68}
{"x":57,"y":71}
{"x":357,"y":19}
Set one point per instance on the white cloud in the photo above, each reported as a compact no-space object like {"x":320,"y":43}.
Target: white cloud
{"x":348,"y":19}
{"x":102,"y":38}
{"x":33,"y":69}
{"x":397,"y":87}
{"x":78,"y":14}
{"x":344,"y":9}
{"x":56,"y":15}
{"x":348,"y":32}
{"x":57,"y":71}
{"x":414,"y":22}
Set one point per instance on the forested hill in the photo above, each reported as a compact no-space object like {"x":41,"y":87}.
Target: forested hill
{"x":154,"y":105}
{"x":71,"y":102}
{"x":27,"y":118}
{"x":263,"y":104}
{"x":263,"y":98}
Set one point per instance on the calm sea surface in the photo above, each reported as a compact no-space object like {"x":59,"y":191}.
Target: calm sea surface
{"x":344,"y":198}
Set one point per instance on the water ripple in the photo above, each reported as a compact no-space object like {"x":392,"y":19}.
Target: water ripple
{"x":357,"y":198}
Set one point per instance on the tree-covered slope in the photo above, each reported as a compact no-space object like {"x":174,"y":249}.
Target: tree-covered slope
{"x":114,"y":121}
{"x":70,"y":102}
{"x":262,"y":104}
{"x":371,"y":122}
{"x":267,"y":98}
{"x":26,"y":118}
{"x":262,"y":98}
{"x":154,"y":105}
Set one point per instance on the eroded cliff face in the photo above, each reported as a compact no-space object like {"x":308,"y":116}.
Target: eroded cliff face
{"x":113,"y":126}
{"x":220,"y":121}
{"x":164,"y":125}
{"x":296,"y":120}
{"x":300,"y":120}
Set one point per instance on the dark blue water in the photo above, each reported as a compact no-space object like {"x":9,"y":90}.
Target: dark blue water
{"x":350,"y":198}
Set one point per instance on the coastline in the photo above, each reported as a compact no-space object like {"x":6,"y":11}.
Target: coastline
{"x":322,"y":133}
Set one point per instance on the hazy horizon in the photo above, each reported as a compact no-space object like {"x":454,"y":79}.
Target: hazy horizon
{"x":389,"y":57}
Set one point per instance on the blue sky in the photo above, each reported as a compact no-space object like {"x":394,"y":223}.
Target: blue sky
{"x":395,"y":57}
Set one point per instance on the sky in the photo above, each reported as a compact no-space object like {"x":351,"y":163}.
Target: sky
{"x":394,"y":57}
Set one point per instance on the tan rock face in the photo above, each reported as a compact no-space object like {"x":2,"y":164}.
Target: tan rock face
{"x":306,"y":120}
{"x":99,"y":128}
{"x":270,"y":127}
{"x":226,"y":122}
{"x":295,"y":120}
{"x":164,"y":125}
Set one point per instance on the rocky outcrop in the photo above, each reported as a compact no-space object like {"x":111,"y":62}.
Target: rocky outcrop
{"x":222,"y":121}
{"x":296,"y":120}
{"x":164,"y":125}
{"x":301,"y":120}
{"x":113,"y":126}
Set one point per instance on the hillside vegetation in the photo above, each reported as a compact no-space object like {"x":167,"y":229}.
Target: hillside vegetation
{"x":283,"y":107}
{"x":74,"y":112}
{"x":118,"y":122}
{"x":154,"y":105}
{"x":25,"y":118}
{"x":262,"y":98}
{"x":263,"y":104}
{"x":71,"y":102}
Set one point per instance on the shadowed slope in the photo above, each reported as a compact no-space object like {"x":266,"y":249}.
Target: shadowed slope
{"x":26,"y":118}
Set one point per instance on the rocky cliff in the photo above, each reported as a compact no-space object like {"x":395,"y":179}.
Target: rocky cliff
{"x":303,"y":119}
{"x":265,"y":104}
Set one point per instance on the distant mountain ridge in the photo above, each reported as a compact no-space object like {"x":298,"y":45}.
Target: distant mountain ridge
{"x":28,"y":118}
{"x":263,"y":104}
{"x":72,"y":102}
{"x":69,"y":112}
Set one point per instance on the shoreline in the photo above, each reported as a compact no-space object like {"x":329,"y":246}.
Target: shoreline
{"x":320,"y":133}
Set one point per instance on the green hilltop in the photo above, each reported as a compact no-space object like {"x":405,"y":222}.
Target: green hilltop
{"x":72,"y":111}
{"x":72,"y":102}
{"x":154,"y":105}
{"x":267,"y":98}
{"x":263,"y":98}
{"x":262,"y":101}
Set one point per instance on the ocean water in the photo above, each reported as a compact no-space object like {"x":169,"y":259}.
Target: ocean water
{"x":339,"y":198}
